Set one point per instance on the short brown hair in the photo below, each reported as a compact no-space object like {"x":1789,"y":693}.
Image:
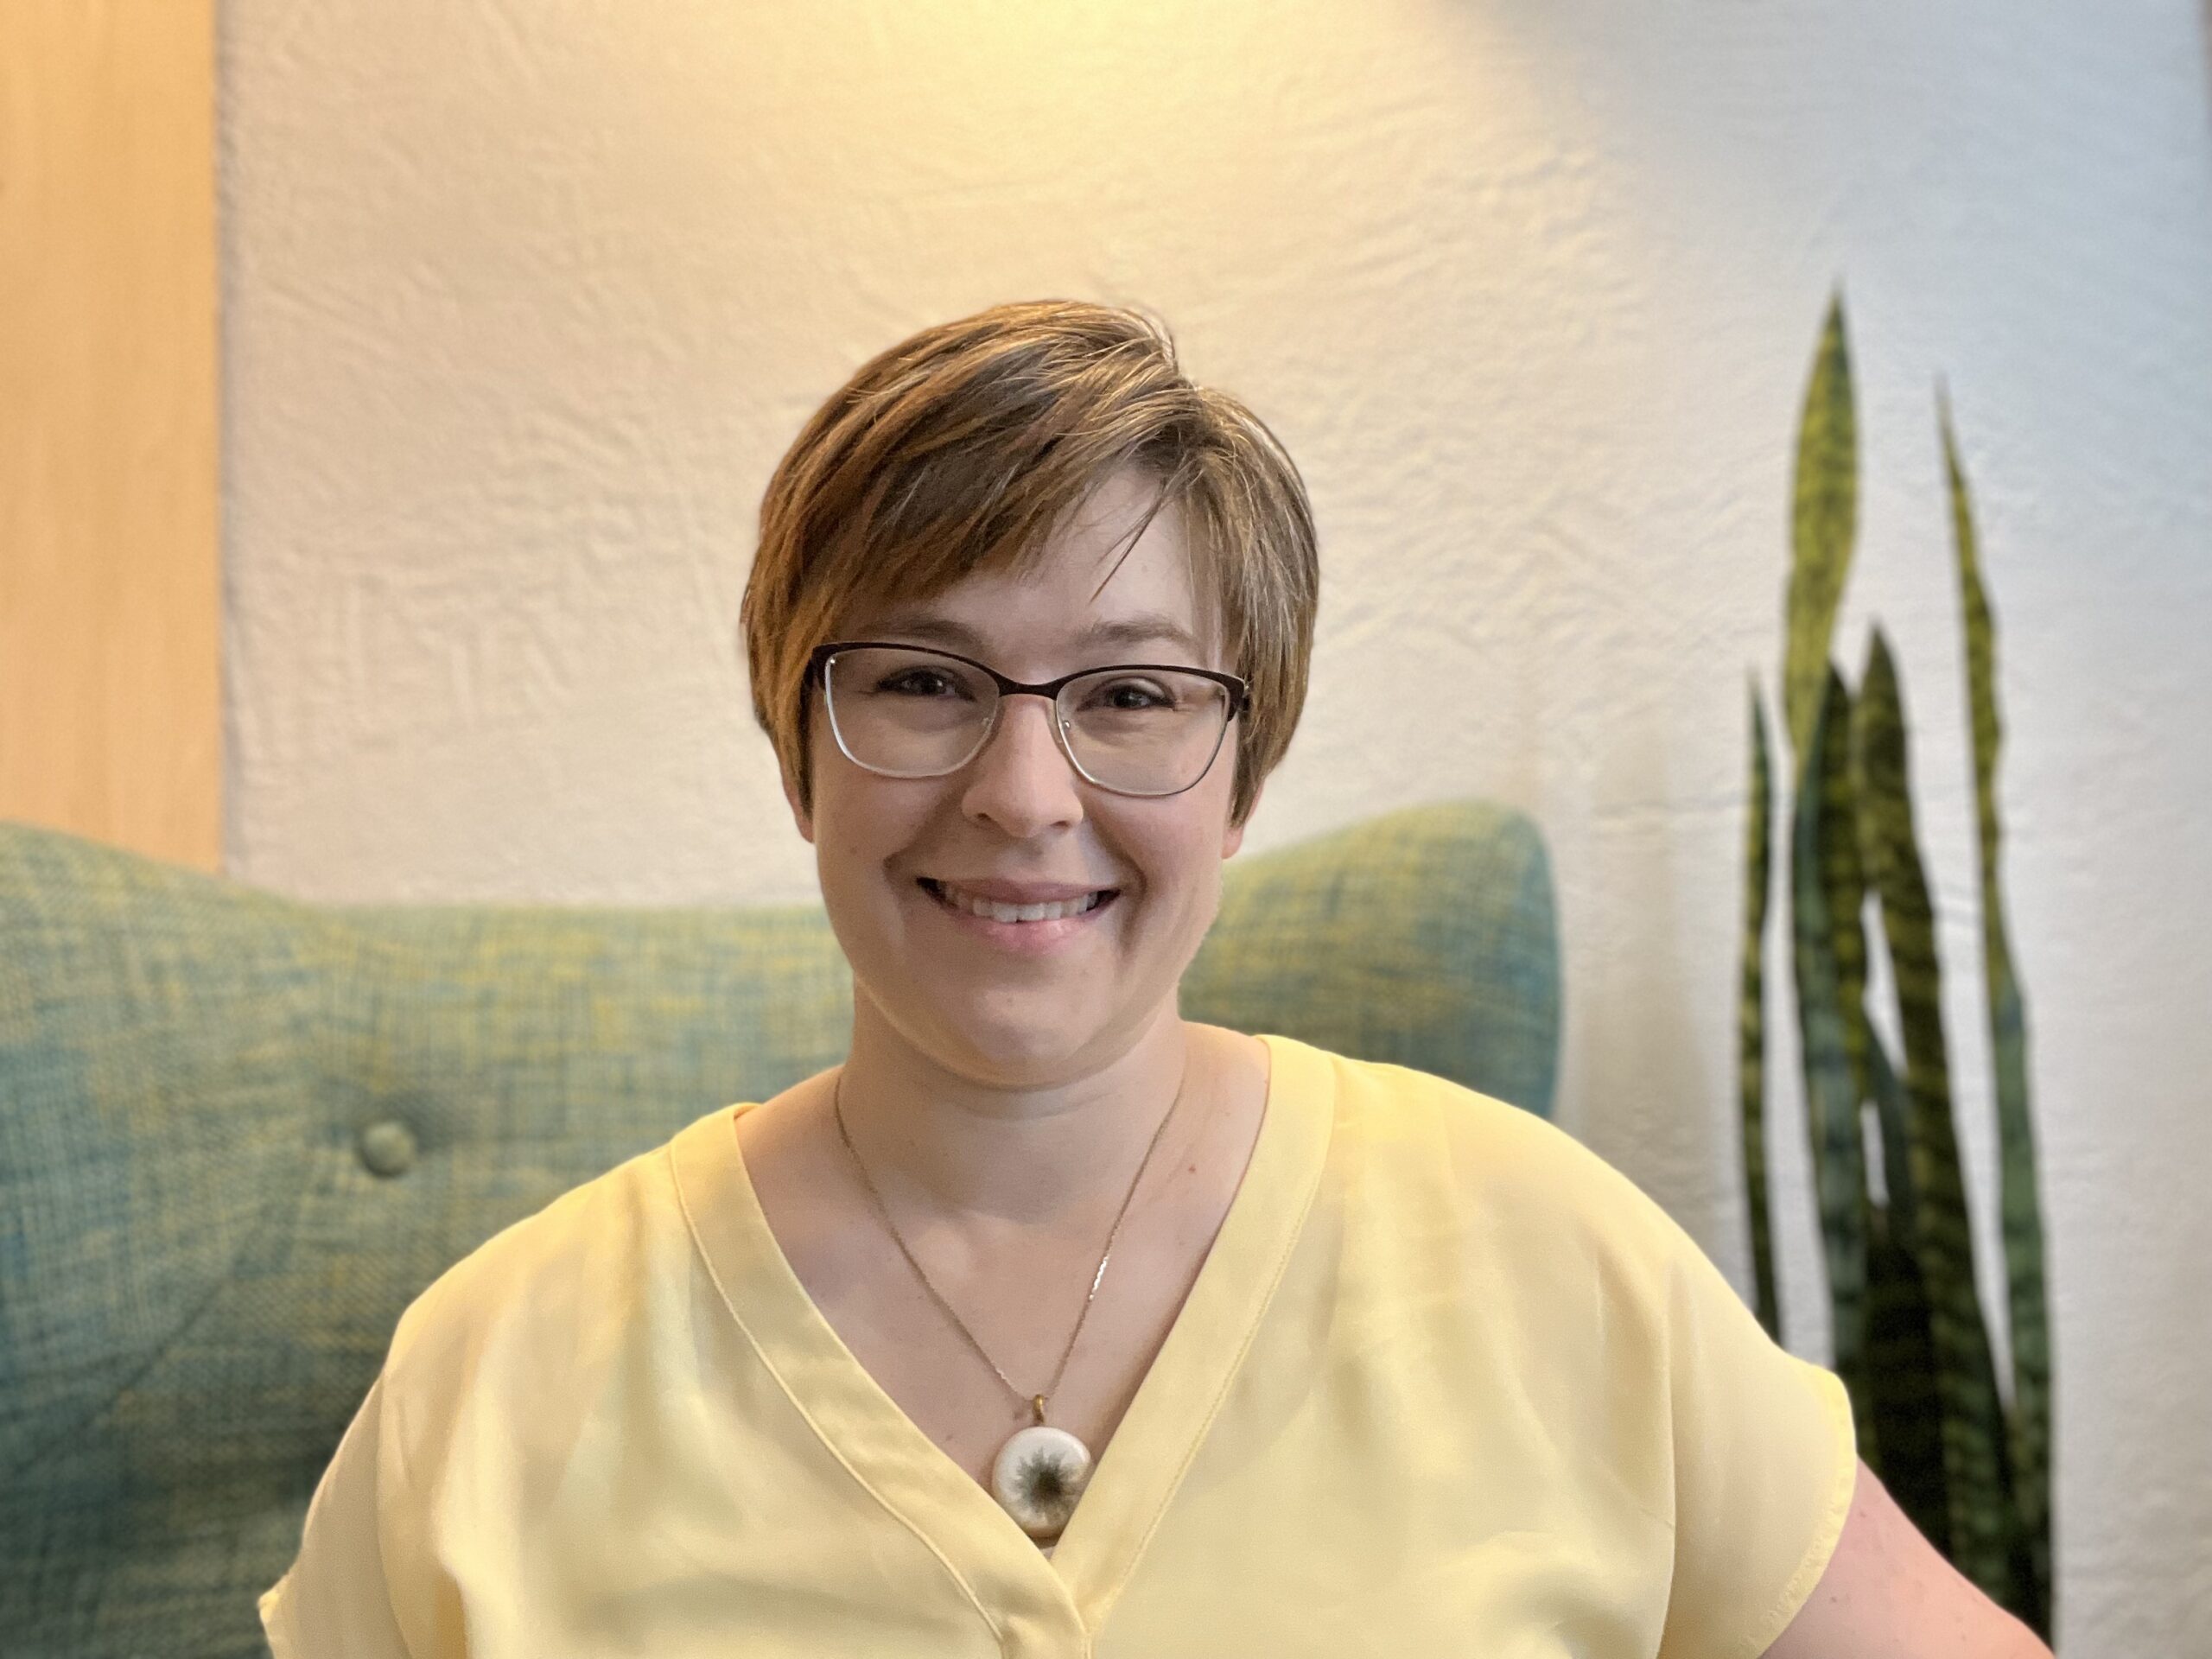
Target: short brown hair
{"x":961,"y":449}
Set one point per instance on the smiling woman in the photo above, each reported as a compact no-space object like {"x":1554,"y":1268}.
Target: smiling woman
{"x":1050,"y":1322}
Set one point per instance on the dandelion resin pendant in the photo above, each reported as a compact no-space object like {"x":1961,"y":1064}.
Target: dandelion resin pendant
{"x":1040,"y":1472}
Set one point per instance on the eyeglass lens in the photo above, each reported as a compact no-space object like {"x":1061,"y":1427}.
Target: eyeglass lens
{"x":911,"y":713}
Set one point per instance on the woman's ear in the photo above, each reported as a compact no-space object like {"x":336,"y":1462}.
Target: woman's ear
{"x":1232,"y":837}
{"x":800,"y":815}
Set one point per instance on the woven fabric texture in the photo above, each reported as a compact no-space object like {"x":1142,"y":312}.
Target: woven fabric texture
{"x":239,"y":1134}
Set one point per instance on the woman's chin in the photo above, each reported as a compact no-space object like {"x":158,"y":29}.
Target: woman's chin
{"x":1013,"y":1047}
{"x":1009,"y":1040}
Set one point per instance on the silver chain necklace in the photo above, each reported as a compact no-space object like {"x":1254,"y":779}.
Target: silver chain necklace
{"x":1041,"y":1470}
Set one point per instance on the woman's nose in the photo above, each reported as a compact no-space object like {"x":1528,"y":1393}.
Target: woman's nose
{"x":1022,"y":779}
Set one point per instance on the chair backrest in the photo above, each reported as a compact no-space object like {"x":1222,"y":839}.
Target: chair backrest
{"x":239,"y":1134}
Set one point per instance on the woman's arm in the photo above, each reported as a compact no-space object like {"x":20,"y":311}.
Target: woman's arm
{"x":1887,"y":1595}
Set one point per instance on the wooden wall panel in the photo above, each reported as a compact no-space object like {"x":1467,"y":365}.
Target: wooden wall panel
{"x":110,"y":573}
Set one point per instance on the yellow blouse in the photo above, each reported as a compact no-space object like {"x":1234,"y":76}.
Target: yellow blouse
{"x":1448,"y":1383}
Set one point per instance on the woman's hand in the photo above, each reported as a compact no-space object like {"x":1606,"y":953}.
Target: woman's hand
{"x":1887,"y":1595}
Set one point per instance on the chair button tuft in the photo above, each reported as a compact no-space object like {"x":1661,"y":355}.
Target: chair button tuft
{"x":387,"y":1146}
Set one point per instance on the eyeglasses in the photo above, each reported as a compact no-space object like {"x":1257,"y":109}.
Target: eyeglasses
{"x":1135,"y":728}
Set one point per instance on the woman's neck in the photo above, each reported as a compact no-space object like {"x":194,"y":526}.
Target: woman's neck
{"x":1019,"y":1155}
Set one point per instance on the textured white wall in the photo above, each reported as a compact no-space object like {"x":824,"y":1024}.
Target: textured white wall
{"x":523,"y":300}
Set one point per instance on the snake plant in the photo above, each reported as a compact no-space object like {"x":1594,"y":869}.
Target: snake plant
{"x":1972,"y":1471}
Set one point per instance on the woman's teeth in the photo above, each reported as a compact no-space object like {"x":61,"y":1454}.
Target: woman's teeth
{"x":999,"y":912}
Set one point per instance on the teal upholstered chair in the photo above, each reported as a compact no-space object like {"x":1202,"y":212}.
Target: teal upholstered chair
{"x":239,"y":1134}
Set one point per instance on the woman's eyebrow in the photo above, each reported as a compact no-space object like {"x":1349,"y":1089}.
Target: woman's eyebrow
{"x":1142,"y":628}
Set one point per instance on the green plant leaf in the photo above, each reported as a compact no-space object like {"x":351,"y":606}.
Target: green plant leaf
{"x":1907,"y":1451}
{"x":1900,"y":1337}
{"x":1982,"y":1525}
{"x":1894,"y":1112}
{"x":1901,"y":1368}
{"x":2019,"y":1207}
{"x":1831,"y":1104}
{"x":1750,"y":1020}
{"x":1843,"y":881}
{"x":1823,"y":524}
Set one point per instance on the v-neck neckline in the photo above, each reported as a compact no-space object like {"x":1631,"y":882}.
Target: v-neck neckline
{"x":1011,"y":1581}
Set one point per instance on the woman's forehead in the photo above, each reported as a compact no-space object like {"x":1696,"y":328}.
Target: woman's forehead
{"x":978,"y":618}
{"x":1130,"y":632}
{"x":1085,"y":589}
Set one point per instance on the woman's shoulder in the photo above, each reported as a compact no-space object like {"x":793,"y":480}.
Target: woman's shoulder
{"x":543,"y":1283}
{"x":1417,"y":1145}
{"x":1384,"y":1105}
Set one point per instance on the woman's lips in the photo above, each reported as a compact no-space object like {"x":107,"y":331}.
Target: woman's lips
{"x":1021,"y":938}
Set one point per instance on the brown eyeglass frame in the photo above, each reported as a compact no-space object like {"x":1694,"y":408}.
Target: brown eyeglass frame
{"x":1240,"y":700}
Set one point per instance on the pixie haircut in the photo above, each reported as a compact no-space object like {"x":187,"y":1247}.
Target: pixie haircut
{"x":963,"y":449}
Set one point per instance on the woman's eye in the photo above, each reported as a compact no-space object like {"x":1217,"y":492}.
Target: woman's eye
{"x":1136,"y":695}
{"x":918,"y":683}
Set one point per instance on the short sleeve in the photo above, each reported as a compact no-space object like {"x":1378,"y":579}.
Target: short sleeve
{"x":1765,"y":1459}
{"x":335,"y":1601}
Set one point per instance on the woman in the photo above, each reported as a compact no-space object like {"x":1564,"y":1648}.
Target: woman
{"x":1051,"y":1322}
